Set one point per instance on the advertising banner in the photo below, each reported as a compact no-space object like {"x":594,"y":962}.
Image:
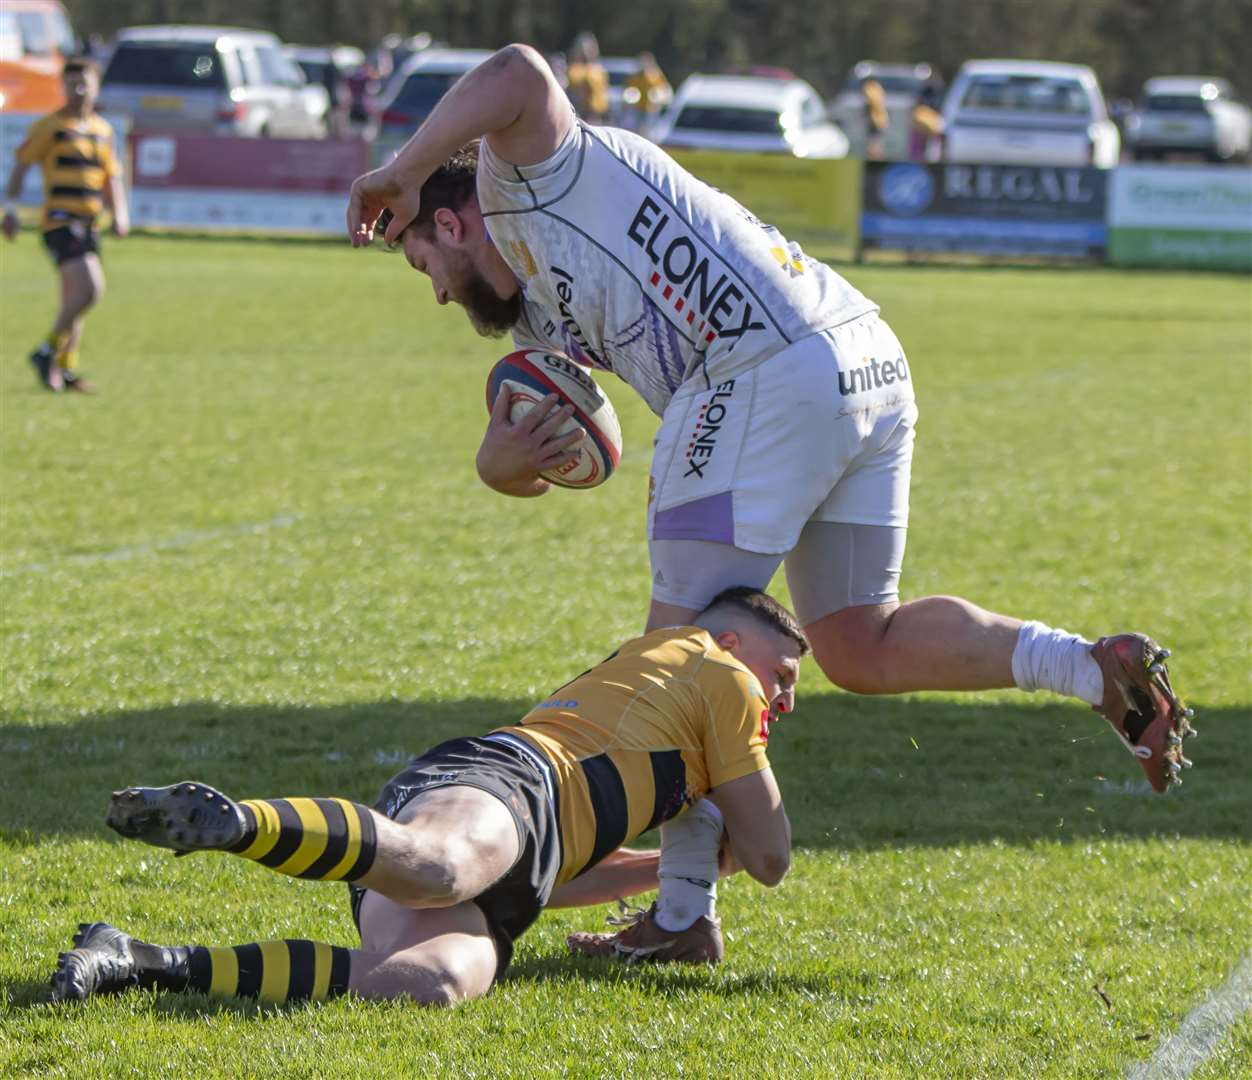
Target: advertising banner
{"x":985,"y":209}
{"x":814,"y":202}
{"x":271,"y":185}
{"x":1181,"y":215}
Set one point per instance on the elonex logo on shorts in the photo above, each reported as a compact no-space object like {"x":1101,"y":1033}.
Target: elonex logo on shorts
{"x":719,"y":304}
{"x":873,"y":375}
{"x":559,"y":703}
{"x":708,"y":424}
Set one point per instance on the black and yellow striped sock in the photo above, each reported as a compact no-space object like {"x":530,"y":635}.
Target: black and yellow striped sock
{"x":319,"y":839}
{"x":274,"y":972}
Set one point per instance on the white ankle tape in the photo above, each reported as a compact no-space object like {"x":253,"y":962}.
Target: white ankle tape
{"x":1049,"y":659}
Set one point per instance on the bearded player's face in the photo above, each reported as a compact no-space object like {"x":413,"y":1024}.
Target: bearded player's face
{"x":455,"y":278}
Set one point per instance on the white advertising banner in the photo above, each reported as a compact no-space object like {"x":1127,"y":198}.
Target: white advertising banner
{"x":1179,"y":215}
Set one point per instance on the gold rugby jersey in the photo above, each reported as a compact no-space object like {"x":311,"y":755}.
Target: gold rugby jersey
{"x":77,"y":159}
{"x":640,"y":737}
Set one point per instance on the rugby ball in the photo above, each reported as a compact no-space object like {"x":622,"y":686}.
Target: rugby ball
{"x":528,"y":377}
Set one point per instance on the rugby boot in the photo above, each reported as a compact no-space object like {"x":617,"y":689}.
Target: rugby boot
{"x":76,"y":382}
{"x":100,"y":963}
{"x":641,"y":938}
{"x":187,"y":816}
{"x":43,"y":360}
{"x":1141,"y":706}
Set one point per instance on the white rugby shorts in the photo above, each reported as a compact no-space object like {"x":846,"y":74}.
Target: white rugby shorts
{"x":821,"y":431}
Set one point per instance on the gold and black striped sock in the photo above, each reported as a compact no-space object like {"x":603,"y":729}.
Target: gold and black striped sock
{"x":319,"y":839}
{"x":274,"y":972}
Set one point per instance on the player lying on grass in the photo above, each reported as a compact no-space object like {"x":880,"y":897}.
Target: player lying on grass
{"x":787,"y":414}
{"x":467,"y":845}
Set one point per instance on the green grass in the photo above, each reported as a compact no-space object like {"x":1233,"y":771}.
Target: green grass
{"x":260,"y":557}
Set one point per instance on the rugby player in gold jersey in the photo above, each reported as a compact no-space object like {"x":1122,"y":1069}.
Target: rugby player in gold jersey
{"x":81,"y":176}
{"x":466,"y":846}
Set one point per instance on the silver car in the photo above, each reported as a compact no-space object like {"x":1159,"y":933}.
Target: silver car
{"x":1190,"y":115}
{"x":211,"y":80}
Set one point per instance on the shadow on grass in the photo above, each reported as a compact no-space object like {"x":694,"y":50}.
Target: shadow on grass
{"x":856,"y":773}
{"x":724,"y":981}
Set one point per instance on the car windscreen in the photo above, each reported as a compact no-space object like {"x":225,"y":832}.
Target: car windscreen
{"x":191,"y":66}
{"x":423,"y":89}
{"x":1185,"y":103}
{"x":729,"y":118}
{"x":1027,"y":93}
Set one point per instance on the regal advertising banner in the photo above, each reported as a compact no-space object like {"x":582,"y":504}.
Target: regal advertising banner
{"x":1181,"y":215}
{"x":985,"y":209}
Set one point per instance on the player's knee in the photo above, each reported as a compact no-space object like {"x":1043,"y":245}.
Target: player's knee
{"x":850,"y":648}
{"x":773,"y":868}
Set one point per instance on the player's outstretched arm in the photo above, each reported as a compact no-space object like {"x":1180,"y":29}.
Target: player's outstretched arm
{"x":756,"y":825}
{"x":115,"y":197}
{"x":11,"y":192}
{"x":512,"y":98}
{"x":622,"y":874}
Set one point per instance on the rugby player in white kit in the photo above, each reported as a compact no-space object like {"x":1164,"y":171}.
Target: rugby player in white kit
{"x":787,"y":419}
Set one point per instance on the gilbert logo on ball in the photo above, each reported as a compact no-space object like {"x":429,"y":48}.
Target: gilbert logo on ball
{"x":528,"y":376}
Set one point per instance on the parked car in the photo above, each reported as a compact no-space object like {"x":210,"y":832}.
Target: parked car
{"x":903,"y":85}
{"x":419,"y":84}
{"x":1190,"y":114}
{"x":211,"y":80}
{"x":329,"y":66}
{"x":735,"y":112}
{"x":35,"y":39}
{"x":1022,"y":112}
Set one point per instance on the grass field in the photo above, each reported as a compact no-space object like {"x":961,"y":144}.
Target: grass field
{"x":260,"y":557}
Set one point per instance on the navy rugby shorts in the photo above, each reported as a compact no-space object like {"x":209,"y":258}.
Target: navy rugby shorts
{"x":514,"y":772}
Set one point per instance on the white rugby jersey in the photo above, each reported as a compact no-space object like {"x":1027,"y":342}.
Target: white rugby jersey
{"x":630,"y":264}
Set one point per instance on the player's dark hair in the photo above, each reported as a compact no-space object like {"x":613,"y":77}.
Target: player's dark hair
{"x":451,"y":185}
{"x":77,"y":64}
{"x":763,"y":607}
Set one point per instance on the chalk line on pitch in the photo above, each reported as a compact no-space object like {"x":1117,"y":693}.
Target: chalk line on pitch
{"x":1201,"y":1031}
{"x":132,"y":551}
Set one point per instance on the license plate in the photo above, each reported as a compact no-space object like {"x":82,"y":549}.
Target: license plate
{"x":1175,"y":129}
{"x":169,"y":104}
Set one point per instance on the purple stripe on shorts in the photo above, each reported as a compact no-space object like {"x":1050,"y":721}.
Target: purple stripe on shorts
{"x":710,"y":518}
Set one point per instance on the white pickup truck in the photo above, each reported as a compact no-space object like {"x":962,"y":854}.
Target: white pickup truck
{"x":1021,"y":112}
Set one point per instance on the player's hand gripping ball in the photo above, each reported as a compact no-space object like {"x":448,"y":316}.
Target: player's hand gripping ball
{"x":528,"y":377}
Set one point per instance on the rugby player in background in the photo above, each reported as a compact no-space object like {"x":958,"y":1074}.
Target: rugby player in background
{"x":74,"y":148}
{"x":787,"y":417}
{"x":467,"y":845}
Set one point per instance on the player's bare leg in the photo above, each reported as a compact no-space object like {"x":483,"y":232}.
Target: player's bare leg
{"x":935,"y":643}
{"x":82,"y":286}
{"x":421,"y":937}
{"x":446,"y":846}
{"x":436,"y":957}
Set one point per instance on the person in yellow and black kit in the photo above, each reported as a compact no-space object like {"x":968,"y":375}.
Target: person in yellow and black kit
{"x":81,"y":175}
{"x":468,"y":844}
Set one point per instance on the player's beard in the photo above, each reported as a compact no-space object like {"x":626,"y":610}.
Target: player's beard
{"x":493,"y":315}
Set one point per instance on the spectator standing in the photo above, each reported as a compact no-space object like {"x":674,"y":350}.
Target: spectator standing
{"x":647,"y":92}
{"x":588,"y":81}
{"x":876,"y":118}
{"x":925,"y":125}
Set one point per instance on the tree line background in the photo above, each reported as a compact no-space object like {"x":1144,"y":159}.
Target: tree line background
{"x":1125,"y":41}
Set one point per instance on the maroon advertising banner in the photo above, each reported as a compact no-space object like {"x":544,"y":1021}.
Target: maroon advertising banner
{"x":209,"y":161}
{"x":254,"y":185}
